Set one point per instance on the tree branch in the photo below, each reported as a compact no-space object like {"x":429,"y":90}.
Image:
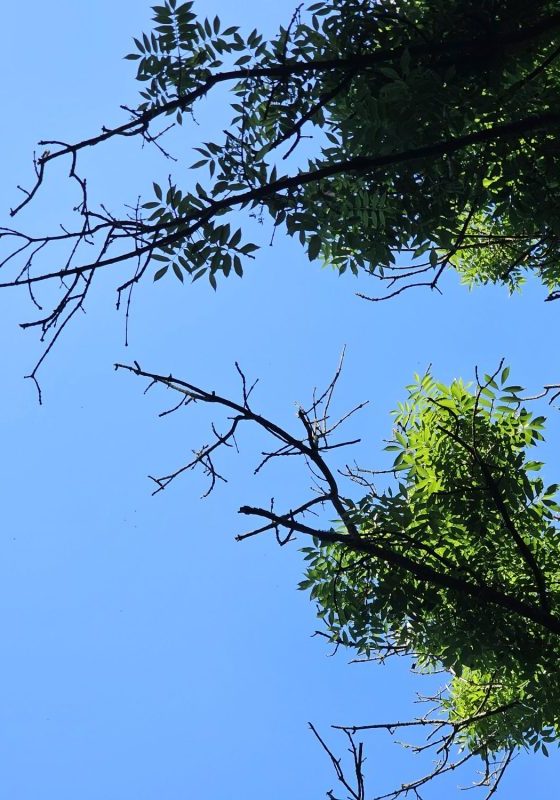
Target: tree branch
{"x":354,"y":540}
{"x":362,"y":165}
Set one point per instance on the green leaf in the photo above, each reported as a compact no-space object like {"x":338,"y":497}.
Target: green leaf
{"x":314,"y":247}
{"x":160,"y":273}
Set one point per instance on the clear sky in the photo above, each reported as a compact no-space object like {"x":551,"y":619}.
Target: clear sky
{"x":146,"y":654}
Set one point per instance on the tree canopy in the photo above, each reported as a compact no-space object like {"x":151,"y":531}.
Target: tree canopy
{"x":401,"y":139}
{"x":466,"y":502}
{"x":370,"y":130}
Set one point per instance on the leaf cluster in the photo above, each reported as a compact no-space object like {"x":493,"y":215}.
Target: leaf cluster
{"x":385,"y":95}
{"x":470,"y":503}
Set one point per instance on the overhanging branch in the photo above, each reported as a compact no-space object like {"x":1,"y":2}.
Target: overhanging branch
{"x":311,"y":447}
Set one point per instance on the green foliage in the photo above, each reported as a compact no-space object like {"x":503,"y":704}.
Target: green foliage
{"x":470,"y":504}
{"x":375,"y":131}
{"x":433,"y":127}
{"x":370,"y":130}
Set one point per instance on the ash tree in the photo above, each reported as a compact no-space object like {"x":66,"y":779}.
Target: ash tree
{"x":400,"y":139}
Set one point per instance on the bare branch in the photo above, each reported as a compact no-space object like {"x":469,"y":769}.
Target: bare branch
{"x":353,"y":539}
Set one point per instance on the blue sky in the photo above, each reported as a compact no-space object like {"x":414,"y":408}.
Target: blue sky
{"x":146,"y":654}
